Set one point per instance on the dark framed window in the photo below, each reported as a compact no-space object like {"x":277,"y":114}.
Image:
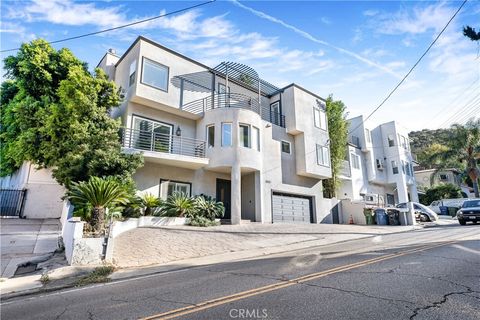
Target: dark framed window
{"x":155,"y":74}
{"x":244,"y":135}
{"x":211,"y":136}
{"x":276,"y":113}
{"x":286,"y":147}
{"x":132,"y":73}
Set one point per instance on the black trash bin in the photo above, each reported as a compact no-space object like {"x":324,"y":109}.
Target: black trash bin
{"x":393,"y":217}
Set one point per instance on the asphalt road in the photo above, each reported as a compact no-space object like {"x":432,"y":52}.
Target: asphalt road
{"x":433,"y":273}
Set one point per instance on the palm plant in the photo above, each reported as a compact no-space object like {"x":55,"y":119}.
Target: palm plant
{"x":97,"y":194}
{"x":150,"y":203}
{"x":179,"y":205}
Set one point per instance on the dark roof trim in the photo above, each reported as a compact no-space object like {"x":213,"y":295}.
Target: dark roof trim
{"x":303,"y":89}
{"x":156,"y":44}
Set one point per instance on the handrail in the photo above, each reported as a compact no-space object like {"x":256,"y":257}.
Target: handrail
{"x":234,"y":100}
{"x":161,"y":142}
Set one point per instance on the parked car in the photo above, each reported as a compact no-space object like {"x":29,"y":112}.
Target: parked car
{"x":455,"y":203}
{"x":422,"y":212}
{"x":470,"y":211}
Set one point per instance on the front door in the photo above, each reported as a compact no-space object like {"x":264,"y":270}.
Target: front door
{"x":224,"y":195}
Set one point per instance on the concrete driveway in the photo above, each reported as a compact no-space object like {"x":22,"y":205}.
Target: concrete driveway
{"x":158,"y":245}
{"x":26,"y":240}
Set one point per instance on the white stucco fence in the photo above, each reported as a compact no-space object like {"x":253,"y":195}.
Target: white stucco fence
{"x":119,"y":227}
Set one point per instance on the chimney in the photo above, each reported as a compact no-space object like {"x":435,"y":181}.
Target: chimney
{"x":112,"y":51}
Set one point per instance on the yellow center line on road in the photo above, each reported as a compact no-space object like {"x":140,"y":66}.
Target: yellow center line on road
{"x":287,"y":283}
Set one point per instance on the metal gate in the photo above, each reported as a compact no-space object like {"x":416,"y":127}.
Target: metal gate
{"x":11,"y":202}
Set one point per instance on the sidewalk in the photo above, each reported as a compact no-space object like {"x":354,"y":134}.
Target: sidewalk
{"x":26,"y":240}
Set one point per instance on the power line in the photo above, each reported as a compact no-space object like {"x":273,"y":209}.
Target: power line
{"x":460,"y":113}
{"x":122,"y":26}
{"x":414,"y":66}
{"x":471,"y":114}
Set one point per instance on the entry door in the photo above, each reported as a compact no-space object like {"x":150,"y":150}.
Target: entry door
{"x":224,"y":195}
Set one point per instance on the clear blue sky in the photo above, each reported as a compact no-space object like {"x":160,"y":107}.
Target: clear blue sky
{"x":355,"y":50}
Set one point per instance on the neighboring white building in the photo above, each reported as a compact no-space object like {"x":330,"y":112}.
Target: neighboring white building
{"x":224,"y":132}
{"x":451,"y":175}
{"x":379,"y":165}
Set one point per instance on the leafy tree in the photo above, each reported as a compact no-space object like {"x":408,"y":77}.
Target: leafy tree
{"x":56,"y":115}
{"x":96,"y":195}
{"x":470,"y":33}
{"x":439,"y":192}
{"x":338,"y":131}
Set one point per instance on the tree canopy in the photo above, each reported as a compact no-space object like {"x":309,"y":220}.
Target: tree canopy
{"x":470,"y":33}
{"x":439,"y":192}
{"x":57,"y":115}
{"x":338,"y":131}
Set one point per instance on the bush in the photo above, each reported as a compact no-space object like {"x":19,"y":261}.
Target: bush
{"x":200,"y":221}
{"x":150,"y":204}
{"x":178,"y":205}
{"x":439,"y":192}
{"x":209,"y":208}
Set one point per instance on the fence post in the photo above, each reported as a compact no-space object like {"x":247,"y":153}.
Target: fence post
{"x":151,"y":141}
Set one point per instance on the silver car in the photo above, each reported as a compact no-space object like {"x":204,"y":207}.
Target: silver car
{"x":422,"y":212}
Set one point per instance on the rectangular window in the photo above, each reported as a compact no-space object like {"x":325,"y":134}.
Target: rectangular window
{"x":244,"y":135}
{"x":379,"y":164}
{"x":316,"y":117}
{"x":286,"y":147}
{"x":226,"y":134}
{"x":151,"y":135}
{"x":391,"y":140}
{"x":133,"y":69}
{"x":323,"y":156}
{"x":404,"y":165}
{"x":255,"y":138}
{"x":222,"y":88}
{"x":167,"y":188}
{"x":155,"y":74}
{"x":368,"y":137}
{"x":211,"y":136}
{"x":355,"y":160}
{"x":276,"y":113}
{"x":323,"y":120}
{"x":394,"y":167}
{"x":443,"y":177}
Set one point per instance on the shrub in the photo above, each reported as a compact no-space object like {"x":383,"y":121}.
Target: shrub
{"x":150,"y":204}
{"x":179,"y":205}
{"x":200,"y":221}
{"x":209,"y":208}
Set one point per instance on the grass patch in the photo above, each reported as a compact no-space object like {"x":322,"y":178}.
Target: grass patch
{"x":98,"y":275}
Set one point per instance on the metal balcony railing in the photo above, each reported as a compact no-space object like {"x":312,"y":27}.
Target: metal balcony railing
{"x":234,"y":100}
{"x":161,"y":142}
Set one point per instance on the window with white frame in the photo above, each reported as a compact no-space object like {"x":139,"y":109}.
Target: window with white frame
{"x":168,"y":187}
{"x":323,"y":155}
{"x":132,"y":72}
{"x":394,"y":167}
{"x":355,"y":160}
{"x":226,"y":134}
{"x":286,"y":147}
{"x":244,"y":135}
{"x":155,"y":74}
{"x":255,"y":138}
{"x":211,"y":135}
{"x":319,"y":118}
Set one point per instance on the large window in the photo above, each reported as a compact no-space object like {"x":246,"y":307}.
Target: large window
{"x":133,"y":69}
{"x":323,"y":155}
{"x":355,"y":160}
{"x":286,"y":147}
{"x":168,"y":187}
{"x":244,"y":135}
{"x":255,"y":138}
{"x":155,"y":74}
{"x":391,"y":140}
{"x":226,"y":134}
{"x":222,"y":88}
{"x":319,"y":118}
{"x":211,"y":136}
{"x":368,"y":136}
{"x":151,"y":135}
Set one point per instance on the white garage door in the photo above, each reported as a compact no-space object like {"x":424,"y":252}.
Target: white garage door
{"x":290,"y":209}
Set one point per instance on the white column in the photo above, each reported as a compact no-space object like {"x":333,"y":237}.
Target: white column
{"x":413,"y":192}
{"x":236,"y":201}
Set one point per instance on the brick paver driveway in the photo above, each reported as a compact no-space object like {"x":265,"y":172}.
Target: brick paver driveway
{"x":156,"y":245}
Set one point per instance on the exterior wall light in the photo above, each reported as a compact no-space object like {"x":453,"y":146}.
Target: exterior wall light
{"x":178,"y":132}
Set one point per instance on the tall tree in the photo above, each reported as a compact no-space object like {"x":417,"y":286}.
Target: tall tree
{"x":56,"y":115}
{"x":338,"y":131}
{"x":470,"y":33}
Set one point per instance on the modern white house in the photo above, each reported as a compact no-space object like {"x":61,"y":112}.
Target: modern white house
{"x":224,"y":132}
{"x":427,"y":178}
{"x":379,"y":165}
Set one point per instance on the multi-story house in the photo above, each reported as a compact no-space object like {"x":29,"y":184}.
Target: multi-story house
{"x":223,"y":132}
{"x":379,"y":165}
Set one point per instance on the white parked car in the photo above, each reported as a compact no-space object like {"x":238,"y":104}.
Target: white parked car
{"x":456,"y":203}
{"x":422,"y":212}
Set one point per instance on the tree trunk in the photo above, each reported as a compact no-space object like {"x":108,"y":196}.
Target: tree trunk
{"x":98,"y":219}
{"x":475,"y":188}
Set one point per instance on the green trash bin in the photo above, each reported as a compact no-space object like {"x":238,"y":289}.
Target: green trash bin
{"x":452,"y":211}
{"x":368,"y":215}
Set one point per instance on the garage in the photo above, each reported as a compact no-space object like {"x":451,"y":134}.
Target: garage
{"x":291,"y":208}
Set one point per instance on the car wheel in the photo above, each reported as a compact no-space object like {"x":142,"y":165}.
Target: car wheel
{"x":424,"y":218}
{"x":462,"y":222}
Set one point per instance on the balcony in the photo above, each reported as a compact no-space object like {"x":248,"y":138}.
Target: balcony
{"x":164,"y":148}
{"x":234,"y":100}
{"x":345,"y":170}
